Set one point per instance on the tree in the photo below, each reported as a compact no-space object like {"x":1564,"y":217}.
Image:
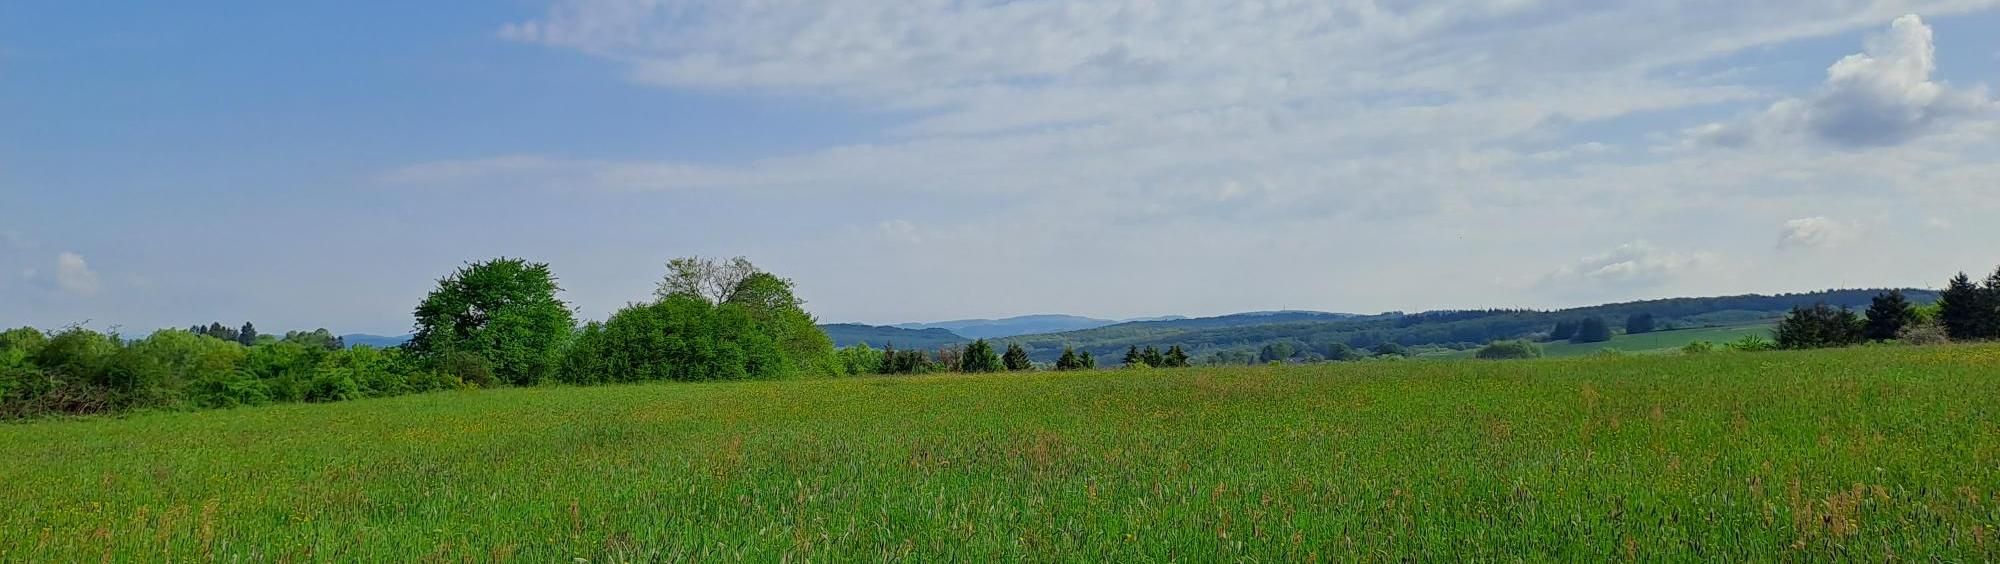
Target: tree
{"x":1509,"y":350}
{"x":979,"y":357}
{"x":1176,"y":357}
{"x":247,"y":336}
{"x":1132,"y":357}
{"x":1970,"y":312}
{"x":1069,"y":360}
{"x":1390,"y":349}
{"x":1342,"y":352}
{"x":1888,"y":314}
{"x":1591,"y":330}
{"x":1016,"y":359}
{"x":1820,"y":326}
{"x":1089,"y":362}
{"x":712,"y":280}
{"x":1153,"y":357}
{"x":1274,"y":352}
{"x":1639,"y":323}
{"x":860,"y":359}
{"x":1563,"y":331}
{"x":503,"y":312}
{"x":770,"y":302}
{"x":679,"y":338}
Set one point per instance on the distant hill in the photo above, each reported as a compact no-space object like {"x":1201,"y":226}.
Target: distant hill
{"x":1012,"y":326}
{"x":1247,"y":333}
{"x":850,"y":334}
{"x":377,"y":341}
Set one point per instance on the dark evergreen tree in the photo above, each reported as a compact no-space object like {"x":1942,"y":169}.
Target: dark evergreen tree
{"x":1968,"y":311}
{"x":1132,"y":357}
{"x":979,"y":357}
{"x":1176,"y":357}
{"x":1563,"y":331}
{"x":1591,"y":330}
{"x":1639,"y":323}
{"x":1069,"y":360}
{"x":1016,"y":358}
{"x":248,"y":335}
{"x":1152,"y":357}
{"x":1089,"y":362}
{"x":1888,"y":314}
{"x":1820,"y":326}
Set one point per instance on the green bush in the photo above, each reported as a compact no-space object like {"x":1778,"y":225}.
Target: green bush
{"x":1509,"y":350}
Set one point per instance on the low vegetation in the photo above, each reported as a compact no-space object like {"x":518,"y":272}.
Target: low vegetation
{"x":1848,"y":454}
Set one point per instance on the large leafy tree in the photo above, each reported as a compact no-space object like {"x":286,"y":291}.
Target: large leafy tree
{"x":767,"y":298}
{"x":1888,"y":314}
{"x":678,"y":338}
{"x":502,"y":313}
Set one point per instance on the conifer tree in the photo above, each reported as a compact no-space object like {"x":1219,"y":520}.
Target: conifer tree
{"x":1153,"y":357}
{"x":1176,"y":357}
{"x":1888,"y":313}
{"x":248,"y":335}
{"x":1016,"y":358}
{"x":1089,"y":362}
{"x":1132,"y":357}
{"x":1592,"y":330}
{"x":1069,"y":360}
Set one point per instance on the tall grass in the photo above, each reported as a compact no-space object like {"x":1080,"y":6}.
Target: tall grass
{"x":1862,"y":454}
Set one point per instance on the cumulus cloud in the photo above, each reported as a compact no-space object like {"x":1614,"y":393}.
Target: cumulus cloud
{"x":1632,"y":265}
{"x":1814,"y":232}
{"x":1882,"y":96}
{"x":74,"y":276}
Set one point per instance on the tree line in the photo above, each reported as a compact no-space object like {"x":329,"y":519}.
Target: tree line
{"x":1965,"y":311}
{"x":495,"y":323}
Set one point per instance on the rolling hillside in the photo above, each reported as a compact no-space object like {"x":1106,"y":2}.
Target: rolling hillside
{"x":1314,"y":331}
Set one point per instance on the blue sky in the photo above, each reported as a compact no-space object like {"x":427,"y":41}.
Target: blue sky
{"x":310,"y":164}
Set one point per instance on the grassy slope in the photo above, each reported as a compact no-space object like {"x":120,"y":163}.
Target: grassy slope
{"x":1853,"y":454}
{"x":1647,"y":343}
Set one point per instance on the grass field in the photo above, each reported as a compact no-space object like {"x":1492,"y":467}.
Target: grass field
{"x":1661,"y":341}
{"x":1863,"y":454}
{"x":1657,"y":342}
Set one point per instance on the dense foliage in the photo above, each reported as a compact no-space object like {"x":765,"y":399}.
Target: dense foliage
{"x":1820,"y":326}
{"x":77,"y":371}
{"x":501,"y":316}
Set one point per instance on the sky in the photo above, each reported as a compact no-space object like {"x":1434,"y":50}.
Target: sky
{"x":316,"y":163}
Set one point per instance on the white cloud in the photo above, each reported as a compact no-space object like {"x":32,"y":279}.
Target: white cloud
{"x":1882,"y":96}
{"x":1632,"y":265}
{"x":1814,"y":232}
{"x":74,"y":276}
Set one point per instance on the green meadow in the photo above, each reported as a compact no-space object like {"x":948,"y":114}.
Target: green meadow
{"x":1855,"y":454}
{"x":1656,"y":342}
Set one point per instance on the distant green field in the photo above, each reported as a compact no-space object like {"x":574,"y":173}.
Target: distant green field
{"x":1862,"y":454}
{"x":1648,"y":343}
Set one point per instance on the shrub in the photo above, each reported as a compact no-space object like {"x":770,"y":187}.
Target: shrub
{"x":1698,"y":347}
{"x":1928,"y":332}
{"x":333,"y":384}
{"x":860,"y":359}
{"x":1509,"y":350}
{"x":1752,"y":343}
